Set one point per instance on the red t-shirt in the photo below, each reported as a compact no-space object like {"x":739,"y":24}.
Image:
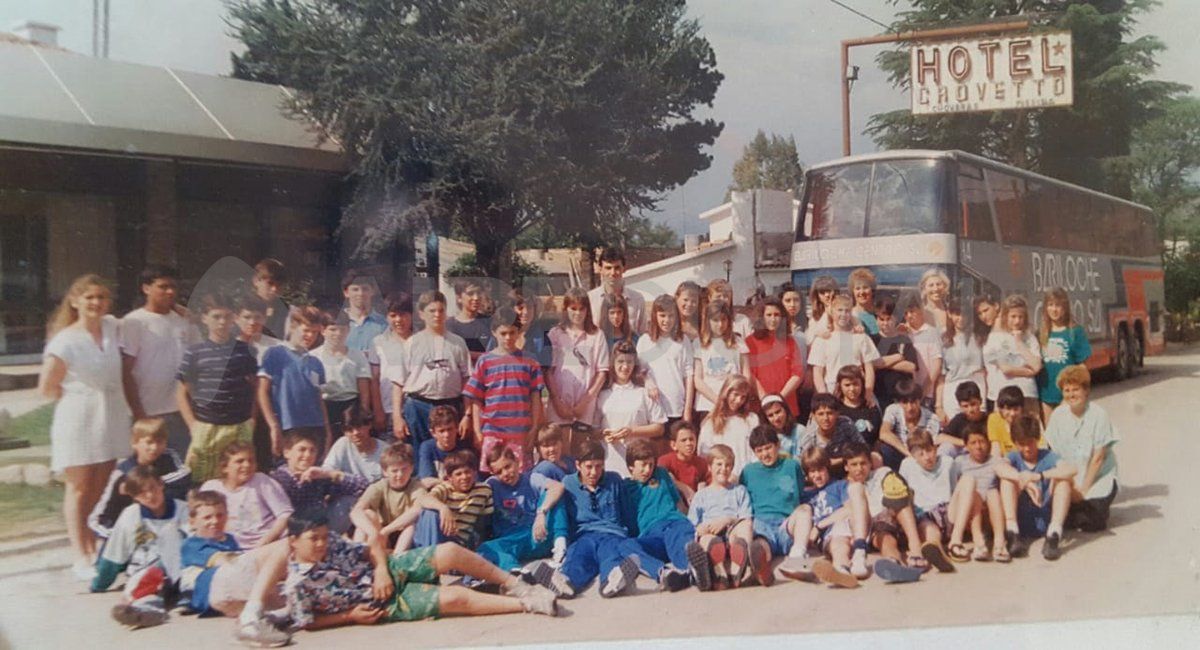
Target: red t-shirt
{"x":773,"y":363}
{"x":691,"y":473}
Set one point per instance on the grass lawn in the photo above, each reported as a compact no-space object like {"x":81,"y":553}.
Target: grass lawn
{"x":33,"y":426}
{"x":25,"y":509}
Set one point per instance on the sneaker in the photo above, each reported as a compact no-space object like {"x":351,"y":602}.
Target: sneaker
{"x":760,"y":563}
{"x":539,"y":600}
{"x":739,"y":562}
{"x":547,"y":576}
{"x":282,"y":621}
{"x":798,"y":568}
{"x":1050,"y":549}
{"x":139,"y":616}
{"x":1017,"y":546}
{"x":672,"y":579}
{"x":261,"y":634}
{"x":892,"y":571}
{"x":834,"y":576}
{"x":699,"y":567}
{"x":559,"y":552}
{"x":620,"y":578}
{"x":858,"y":565}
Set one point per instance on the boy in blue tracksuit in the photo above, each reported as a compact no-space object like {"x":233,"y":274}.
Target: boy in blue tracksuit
{"x":602,"y":545}
{"x":662,"y":530}
{"x":528,"y":520}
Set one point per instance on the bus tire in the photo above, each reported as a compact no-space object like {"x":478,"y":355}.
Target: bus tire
{"x":1139,"y":346}
{"x":1124,"y":363}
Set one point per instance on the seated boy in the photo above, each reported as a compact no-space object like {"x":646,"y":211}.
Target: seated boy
{"x":387,"y":508}
{"x":901,"y":419}
{"x":1035,"y":490}
{"x":150,"y":449}
{"x":931,"y":478}
{"x":687,"y":468}
{"x":975,"y":491}
{"x":722,"y":516}
{"x":145,"y":543}
{"x":953,"y":437}
{"x":431,"y":456}
{"x":833,"y":514}
{"x":889,"y":505}
{"x":308,"y":485}
{"x":527,"y":520}
{"x":662,"y":530}
{"x":333,"y":582}
{"x":830,"y":431}
{"x":1010,"y":404}
{"x":554,"y":464}
{"x":458,"y":509}
{"x":775,"y":485}
{"x":602,"y":546}
{"x":356,"y":451}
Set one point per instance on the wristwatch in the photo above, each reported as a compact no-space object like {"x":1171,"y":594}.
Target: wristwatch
{"x":542,"y":511}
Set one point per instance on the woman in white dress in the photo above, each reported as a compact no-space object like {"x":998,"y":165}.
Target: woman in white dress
{"x":81,"y":369}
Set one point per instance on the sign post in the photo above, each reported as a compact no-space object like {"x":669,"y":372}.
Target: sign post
{"x":922,"y":35}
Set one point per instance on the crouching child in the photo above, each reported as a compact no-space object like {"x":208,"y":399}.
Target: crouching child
{"x":528,"y":522}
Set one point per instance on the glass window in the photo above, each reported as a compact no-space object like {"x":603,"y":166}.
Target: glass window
{"x":906,"y":198}
{"x":974,"y":213}
{"x":1008,"y":194}
{"x":837,"y":199}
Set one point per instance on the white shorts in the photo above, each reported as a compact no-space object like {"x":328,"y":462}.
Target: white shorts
{"x":232,"y":583}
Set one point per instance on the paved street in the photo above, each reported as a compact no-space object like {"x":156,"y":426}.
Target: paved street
{"x":1145,"y":565}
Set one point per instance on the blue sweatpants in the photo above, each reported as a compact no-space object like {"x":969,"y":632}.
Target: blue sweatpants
{"x":667,"y":540}
{"x":597,"y":554}
{"x":429,"y":530}
{"x":518,"y":547}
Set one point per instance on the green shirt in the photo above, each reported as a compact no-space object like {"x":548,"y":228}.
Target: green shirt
{"x":775,"y":490}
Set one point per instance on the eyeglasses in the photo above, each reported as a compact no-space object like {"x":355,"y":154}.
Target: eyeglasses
{"x":437,"y":364}
{"x":580,"y":357}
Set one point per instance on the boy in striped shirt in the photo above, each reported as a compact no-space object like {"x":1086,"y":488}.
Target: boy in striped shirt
{"x":504,"y":393}
{"x":458,"y":509}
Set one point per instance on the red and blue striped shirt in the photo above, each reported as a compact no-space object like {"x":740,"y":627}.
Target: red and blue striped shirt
{"x":505,"y":384}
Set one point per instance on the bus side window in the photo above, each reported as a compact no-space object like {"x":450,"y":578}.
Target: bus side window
{"x":974,"y":213}
{"x":1007,"y":198}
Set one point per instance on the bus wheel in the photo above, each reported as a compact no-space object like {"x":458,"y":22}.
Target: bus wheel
{"x":1125,"y":359}
{"x":1139,"y":349}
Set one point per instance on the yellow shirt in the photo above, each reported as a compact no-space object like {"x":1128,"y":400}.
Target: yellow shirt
{"x":998,"y":431}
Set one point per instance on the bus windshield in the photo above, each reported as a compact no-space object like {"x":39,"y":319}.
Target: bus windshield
{"x":875,"y":198}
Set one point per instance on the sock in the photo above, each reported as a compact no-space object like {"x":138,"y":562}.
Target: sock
{"x":859,"y":544}
{"x":1055,"y":529}
{"x":1011,"y":527}
{"x":559,"y":551}
{"x":251,"y":612}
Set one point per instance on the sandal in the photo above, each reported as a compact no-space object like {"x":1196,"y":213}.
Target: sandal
{"x":935,"y":556}
{"x":981,"y":554}
{"x":917,"y":562}
{"x":1001,"y":555}
{"x":958,"y":552}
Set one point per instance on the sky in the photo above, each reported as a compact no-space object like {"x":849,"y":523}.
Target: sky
{"x":779,"y":58}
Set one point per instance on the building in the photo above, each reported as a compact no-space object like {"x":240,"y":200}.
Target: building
{"x":108,"y":166}
{"x":749,"y":243}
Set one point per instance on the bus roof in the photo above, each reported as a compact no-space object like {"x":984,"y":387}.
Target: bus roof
{"x":954,"y":154}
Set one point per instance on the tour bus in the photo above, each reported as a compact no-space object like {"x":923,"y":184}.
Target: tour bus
{"x":993,"y":229}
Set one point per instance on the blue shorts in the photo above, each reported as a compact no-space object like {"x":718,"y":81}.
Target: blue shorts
{"x":775,"y":531}
{"x":1033,"y":520}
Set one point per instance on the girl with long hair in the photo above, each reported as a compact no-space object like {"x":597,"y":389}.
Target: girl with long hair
{"x":721,"y":354}
{"x":666,"y":357}
{"x":935,"y":291}
{"x":690,"y":301}
{"x":820,"y":298}
{"x":1064,"y":343}
{"x":731,"y":422}
{"x":1012,"y":355}
{"x":81,"y":371}
{"x":579,"y":363}
{"x":626,"y":410}
{"x":962,"y":360}
{"x":776,"y":365}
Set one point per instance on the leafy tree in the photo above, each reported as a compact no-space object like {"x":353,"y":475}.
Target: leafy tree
{"x":467,"y":267}
{"x":493,"y":115}
{"x":770,"y":163}
{"x":1088,"y":143}
{"x":1165,"y":162}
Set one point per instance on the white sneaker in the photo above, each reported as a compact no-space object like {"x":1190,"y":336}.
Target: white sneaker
{"x":559,"y":552}
{"x":620,"y":578}
{"x":858,"y":565}
{"x":261,"y":634}
{"x":83,"y":570}
{"x":539,"y":600}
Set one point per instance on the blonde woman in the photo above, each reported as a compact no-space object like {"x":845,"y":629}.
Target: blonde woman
{"x":935,"y":291}
{"x":81,"y":370}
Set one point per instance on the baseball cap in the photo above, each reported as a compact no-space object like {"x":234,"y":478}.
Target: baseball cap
{"x":896,"y":493}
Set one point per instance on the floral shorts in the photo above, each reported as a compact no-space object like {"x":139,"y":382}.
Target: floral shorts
{"x":416,"y":582}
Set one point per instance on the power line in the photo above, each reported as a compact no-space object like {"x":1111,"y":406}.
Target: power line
{"x":859,"y":14}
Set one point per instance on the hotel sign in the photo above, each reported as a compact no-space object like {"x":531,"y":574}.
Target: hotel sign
{"x":991,"y":74}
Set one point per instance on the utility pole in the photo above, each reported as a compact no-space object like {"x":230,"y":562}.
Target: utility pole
{"x":925,"y":34}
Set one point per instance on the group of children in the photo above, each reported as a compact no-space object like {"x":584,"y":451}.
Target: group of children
{"x":344,"y":467}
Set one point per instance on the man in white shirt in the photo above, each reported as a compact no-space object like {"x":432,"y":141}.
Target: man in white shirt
{"x":153,"y":339}
{"x":612,"y":281}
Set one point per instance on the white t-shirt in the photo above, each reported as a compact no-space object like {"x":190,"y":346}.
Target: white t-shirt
{"x":736,"y":437}
{"x":156,"y":342}
{"x":263,"y":344}
{"x":635,"y":302}
{"x":1001,"y":348}
{"x":719,"y":362}
{"x":344,"y":456}
{"x":436,"y":367}
{"x":625,"y":405}
{"x":388,"y":351}
{"x":927,"y":341}
{"x":742,"y":325}
{"x":930,"y":488}
{"x":342,"y":372}
{"x":669,"y":364}
{"x":839,"y":350}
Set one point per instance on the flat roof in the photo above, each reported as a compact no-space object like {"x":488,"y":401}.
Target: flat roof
{"x":60,"y":99}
